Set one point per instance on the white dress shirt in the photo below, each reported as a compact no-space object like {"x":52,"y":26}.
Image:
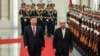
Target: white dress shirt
{"x":63,"y":32}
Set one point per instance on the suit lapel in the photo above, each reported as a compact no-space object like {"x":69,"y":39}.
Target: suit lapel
{"x":61,"y":33}
{"x":30,"y":28}
{"x":36,"y":31}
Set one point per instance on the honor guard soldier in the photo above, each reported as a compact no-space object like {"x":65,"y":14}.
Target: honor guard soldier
{"x":54,"y":16}
{"x":43,"y":6}
{"x":99,"y":39}
{"x":33,"y":10}
{"x":39,"y":15}
{"x":26,"y":16}
{"x":68,"y":17}
{"x":43,"y":15}
{"x":49,"y":20}
{"x":23,"y":6}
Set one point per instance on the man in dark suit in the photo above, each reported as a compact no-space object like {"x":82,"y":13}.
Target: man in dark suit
{"x":63,"y":40}
{"x":34,"y":38}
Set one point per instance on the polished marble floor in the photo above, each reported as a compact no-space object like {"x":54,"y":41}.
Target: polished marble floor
{"x":10,"y":49}
{"x":14,"y":50}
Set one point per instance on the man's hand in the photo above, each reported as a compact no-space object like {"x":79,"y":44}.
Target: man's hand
{"x":54,"y":50}
{"x":26,"y":47}
{"x":70,"y":50}
{"x":42,"y":48}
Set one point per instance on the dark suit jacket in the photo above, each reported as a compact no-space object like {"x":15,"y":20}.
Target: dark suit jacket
{"x":65,"y":43}
{"x":34,"y":42}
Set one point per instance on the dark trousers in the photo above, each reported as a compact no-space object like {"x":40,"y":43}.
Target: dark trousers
{"x":22,"y":25}
{"x":62,"y":53}
{"x":99,"y":48}
{"x":53,"y":27}
{"x":34,"y":53}
{"x":43,"y":29}
{"x":49,"y":27}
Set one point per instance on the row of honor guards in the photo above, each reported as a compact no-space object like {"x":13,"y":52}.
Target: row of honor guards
{"x":87,"y":33}
{"x":45,"y":16}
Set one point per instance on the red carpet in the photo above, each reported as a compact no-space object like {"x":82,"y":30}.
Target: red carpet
{"x":48,"y":51}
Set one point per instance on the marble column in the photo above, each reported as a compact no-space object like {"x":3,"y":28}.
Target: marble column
{"x":4,"y":9}
{"x":0,"y":9}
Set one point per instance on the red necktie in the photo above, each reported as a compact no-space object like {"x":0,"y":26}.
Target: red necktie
{"x":34,"y":31}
